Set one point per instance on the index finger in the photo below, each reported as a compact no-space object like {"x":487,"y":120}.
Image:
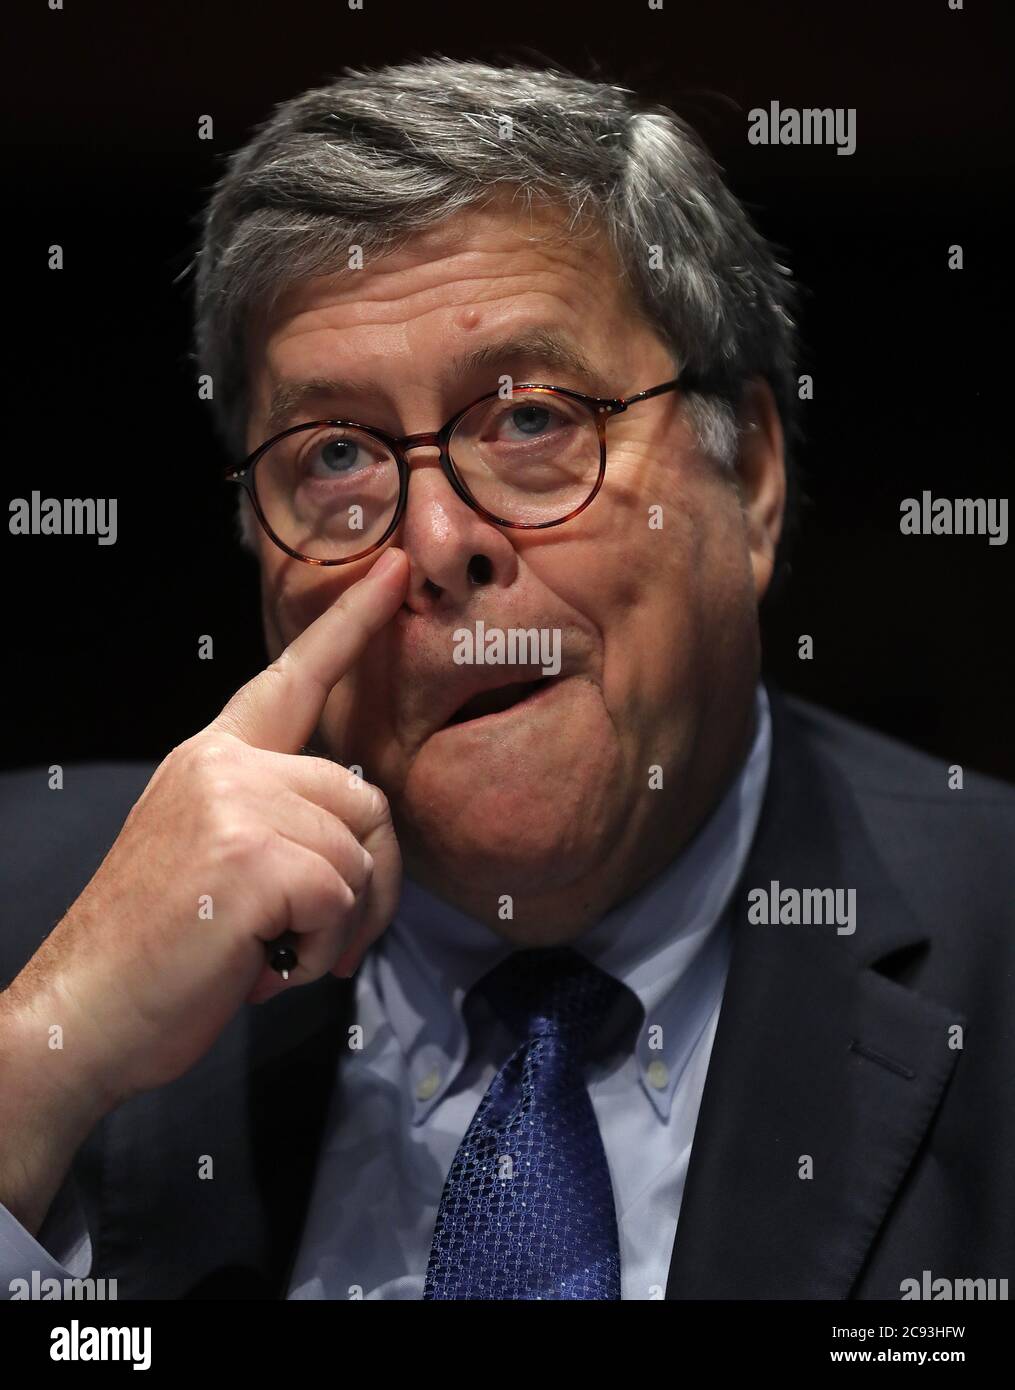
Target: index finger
{"x":279,"y":708}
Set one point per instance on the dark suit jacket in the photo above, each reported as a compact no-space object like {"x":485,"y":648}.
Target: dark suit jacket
{"x":833,"y":1046}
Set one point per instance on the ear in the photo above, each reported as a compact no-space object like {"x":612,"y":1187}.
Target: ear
{"x":761,"y":477}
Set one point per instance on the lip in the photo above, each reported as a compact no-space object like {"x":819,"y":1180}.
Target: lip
{"x":471,"y":681}
{"x":488,"y":721}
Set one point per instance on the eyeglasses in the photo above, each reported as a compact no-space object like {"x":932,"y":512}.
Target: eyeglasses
{"x":330,"y":492}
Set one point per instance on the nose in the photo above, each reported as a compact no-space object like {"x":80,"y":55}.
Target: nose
{"x":431,"y":440}
{"x":451,"y":548}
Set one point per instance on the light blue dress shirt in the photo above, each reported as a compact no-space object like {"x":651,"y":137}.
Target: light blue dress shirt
{"x":411,"y":1087}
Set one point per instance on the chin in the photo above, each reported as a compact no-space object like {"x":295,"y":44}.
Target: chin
{"x":502,"y":839}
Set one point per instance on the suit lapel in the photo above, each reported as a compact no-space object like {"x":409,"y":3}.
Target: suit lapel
{"x":818,"y":1055}
{"x":251,"y":1113}
{"x":290,"y":1097}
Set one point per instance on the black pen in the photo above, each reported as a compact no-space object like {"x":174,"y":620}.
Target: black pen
{"x":282,"y":954}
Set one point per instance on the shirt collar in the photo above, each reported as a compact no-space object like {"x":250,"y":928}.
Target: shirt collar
{"x":668,"y":943}
{"x":424,"y":965}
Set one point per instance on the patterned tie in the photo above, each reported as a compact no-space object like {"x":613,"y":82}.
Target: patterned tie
{"x":527,"y":1210}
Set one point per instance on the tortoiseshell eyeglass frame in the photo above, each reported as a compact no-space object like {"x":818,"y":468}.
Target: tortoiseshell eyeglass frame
{"x":600,"y":408}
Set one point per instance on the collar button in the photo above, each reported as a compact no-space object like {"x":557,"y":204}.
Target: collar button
{"x":427,"y":1088}
{"x":657,"y":1074}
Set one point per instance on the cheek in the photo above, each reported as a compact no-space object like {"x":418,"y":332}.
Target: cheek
{"x":355,"y":728}
{"x":669,"y":592}
{"x":293,"y":596}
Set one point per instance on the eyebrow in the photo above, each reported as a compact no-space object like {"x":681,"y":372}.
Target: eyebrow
{"x":542,"y":347}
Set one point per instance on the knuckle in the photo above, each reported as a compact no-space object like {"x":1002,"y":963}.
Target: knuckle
{"x":279,"y":670}
{"x":221,"y":787}
{"x":377,"y":803}
{"x":207,"y":754}
{"x":347,"y":895}
{"x":335,"y":897}
{"x":241,"y":842}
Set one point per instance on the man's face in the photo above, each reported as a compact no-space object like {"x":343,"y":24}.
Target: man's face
{"x":654,"y":587}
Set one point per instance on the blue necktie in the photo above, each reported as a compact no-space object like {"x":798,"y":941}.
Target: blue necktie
{"x":527,"y":1210}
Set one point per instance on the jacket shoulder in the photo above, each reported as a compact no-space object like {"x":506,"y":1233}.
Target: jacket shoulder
{"x":877,"y":765}
{"x":947,"y":845}
{"x":53,"y":839}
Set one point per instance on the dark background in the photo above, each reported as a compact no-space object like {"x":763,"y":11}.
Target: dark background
{"x":912,"y":383}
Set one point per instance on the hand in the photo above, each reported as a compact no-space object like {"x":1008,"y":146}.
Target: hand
{"x":236,"y":839}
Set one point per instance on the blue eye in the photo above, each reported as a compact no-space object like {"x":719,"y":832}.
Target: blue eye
{"x":336,"y":457}
{"x":529,"y":419}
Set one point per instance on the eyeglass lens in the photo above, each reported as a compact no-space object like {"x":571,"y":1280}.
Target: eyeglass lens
{"x":530,"y":457}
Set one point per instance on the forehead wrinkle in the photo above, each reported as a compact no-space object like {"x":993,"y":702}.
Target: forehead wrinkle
{"x":538,"y":345}
{"x":451,"y":263}
{"x":543,"y":345}
{"x":473,"y":256}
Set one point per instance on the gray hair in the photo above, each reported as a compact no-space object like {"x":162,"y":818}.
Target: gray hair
{"x":377,"y":155}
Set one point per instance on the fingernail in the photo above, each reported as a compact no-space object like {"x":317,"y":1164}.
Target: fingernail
{"x":386,"y":563}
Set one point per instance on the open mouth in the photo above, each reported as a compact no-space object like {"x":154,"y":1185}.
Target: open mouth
{"x":496,"y":701}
